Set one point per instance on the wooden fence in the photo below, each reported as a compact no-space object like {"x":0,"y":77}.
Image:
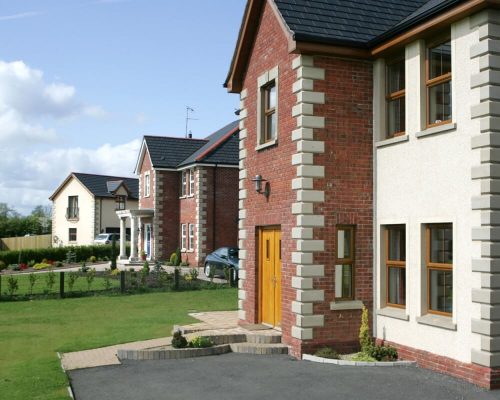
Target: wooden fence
{"x":26,"y":242}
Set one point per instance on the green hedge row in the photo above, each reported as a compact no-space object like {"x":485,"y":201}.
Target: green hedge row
{"x":83,"y":253}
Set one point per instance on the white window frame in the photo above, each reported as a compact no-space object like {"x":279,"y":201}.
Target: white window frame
{"x":184,"y":185}
{"x":147,"y":184}
{"x":191,"y":236}
{"x":191,"y":181}
{"x":262,"y":82}
{"x":183,"y":236}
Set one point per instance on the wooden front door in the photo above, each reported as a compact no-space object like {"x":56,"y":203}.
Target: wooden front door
{"x":270,"y":276}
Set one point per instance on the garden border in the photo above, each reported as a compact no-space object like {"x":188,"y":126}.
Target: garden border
{"x":168,"y":354}
{"x":310,"y":357}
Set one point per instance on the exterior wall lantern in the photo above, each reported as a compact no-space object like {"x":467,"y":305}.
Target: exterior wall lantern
{"x":258,"y":185}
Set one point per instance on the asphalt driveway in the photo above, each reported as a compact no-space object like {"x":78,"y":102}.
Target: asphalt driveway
{"x":238,"y":376}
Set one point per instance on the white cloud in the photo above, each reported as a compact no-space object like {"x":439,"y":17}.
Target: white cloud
{"x":27,"y":14}
{"x":25,"y":99}
{"x":27,"y":180}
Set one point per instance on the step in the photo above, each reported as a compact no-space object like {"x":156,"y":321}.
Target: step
{"x":264,"y":338}
{"x":219,"y":338}
{"x":259,"y":348}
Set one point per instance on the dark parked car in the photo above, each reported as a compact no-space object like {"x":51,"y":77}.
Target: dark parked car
{"x":221,"y":258}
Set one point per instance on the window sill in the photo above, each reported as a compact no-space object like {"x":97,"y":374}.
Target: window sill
{"x":391,"y":141}
{"x":73,"y":219}
{"x":393,"y":312}
{"x":187,"y":251}
{"x":346,"y":305}
{"x":435,"y":130}
{"x":439,"y":321}
{"x":186,"y":197}
{"x":266,"y":145}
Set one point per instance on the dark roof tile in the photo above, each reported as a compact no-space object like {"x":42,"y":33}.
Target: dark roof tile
{"x":98,"y":184}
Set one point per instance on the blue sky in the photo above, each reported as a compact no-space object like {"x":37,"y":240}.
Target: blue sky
{"x":83,"y":80}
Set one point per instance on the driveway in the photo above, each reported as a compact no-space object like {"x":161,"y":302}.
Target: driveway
{"x":238,"y":376}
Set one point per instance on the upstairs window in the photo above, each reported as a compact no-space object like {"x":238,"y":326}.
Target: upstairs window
{"x":438,"y":82}
{"x":147,"y":184}
{"x":120,"y":202}
{"x":395,"y":97}
{"x":72,"y":211}
{"x":269,"y":112}
{"x":344,"y":265}
{"x":191,"y":181}
{"x":184,"y":178}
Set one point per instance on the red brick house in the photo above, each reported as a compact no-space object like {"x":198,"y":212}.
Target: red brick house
{"x":344,"y":107}
{"x":188,"y":196}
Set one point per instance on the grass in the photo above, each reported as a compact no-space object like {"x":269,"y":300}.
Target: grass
{"x":32,"y":332}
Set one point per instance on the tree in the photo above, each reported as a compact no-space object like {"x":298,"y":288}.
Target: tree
{"x":13,"y":224}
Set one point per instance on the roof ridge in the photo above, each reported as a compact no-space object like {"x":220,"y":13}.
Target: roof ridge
{"x":174,"y":137}
{"x":101,"y":175}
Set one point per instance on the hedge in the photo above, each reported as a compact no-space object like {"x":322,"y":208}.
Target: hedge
{"x":83,"y":253}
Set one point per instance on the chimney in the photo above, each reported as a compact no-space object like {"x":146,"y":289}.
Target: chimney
{"x":190,"y":135}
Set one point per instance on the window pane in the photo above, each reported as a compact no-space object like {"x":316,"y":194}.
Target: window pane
{"x":343,"y":281}
{"x":271,"y":96}
{"x":271,"y":126}
{"x":396,"y":110}
{"x":396,"y":76}
{"x":440,"y":60}
{"x":343,"y":243}
{"x":397,"y":286}
{"x":441,"y":250}
{"x":440,"y":103}
{"x":441,"y":290}
{"x":397,"y":244}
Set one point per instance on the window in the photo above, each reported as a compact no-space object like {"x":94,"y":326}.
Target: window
{"x":72,"y":235}
{"x":269,"y":112}
{"x":73,"y":210}
{"x":120,"y":202}
{"x":191,"y":237}
{"x":439,"y":260}
{"x":184,"y":179}
{"x":395,"y":238}
{"x":183,"y":236}
{"x":395,"y":98}
{"x":438,"y":82}
{"x":191,"y":181}
{"x":147,"y":184}
{"x":344,"y":265}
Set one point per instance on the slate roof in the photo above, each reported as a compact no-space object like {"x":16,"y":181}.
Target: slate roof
{"x":172,"y":152}
{"x":98,"y":184}
{"x":358,"y":23}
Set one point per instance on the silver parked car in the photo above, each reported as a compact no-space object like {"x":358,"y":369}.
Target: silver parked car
{"x":106,"y":238}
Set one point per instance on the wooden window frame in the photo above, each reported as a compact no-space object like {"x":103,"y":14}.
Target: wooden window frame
{"x":191,"y":237}
{"x":147,"y":184}
{"x":393,"y":263}
{"x":119,"y":201}
{"x":268,"y":111}
{"x":346,"y":261}
{"x":429,"y":266}
{"x":391,"y":96}
{"x":438,"y":80}
{"x":69,"y":235}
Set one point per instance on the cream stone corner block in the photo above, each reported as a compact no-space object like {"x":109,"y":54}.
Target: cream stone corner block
{"x":302,"y":308}
{"x":243,"y":113}
{"x":242,"y":234}
{"x":302,"y":283}
{"x":241,"y":263}
{"x":490,"y":155}
{"x":310,"y":146}
{"x":241,"y":184}
{"x":303,"y":158}
{"x":485,"y":140}
{"x":241,"y":204}
{"x":491,"y":31}
{"x":243,"y":154}
{"x":242,"y":295}
{"x":490,"y":217}
{"x":484,"y":327}
{"x":241,"y":224}
{"x":242,"y":254}
{"x":311,"y":245}
{"x":302,"y":109}
{"x":302,"y":333}
{"x":310,"y":270}
{"x":490,"y":313}
{"x":484,"y":47}
{"x":299,"y":257}
{"x":302,"y":134}
{"x":243,"y":94}
{"x":302,"y":61}
{"x":490,"y":249}
{"x":243,"y":174}
{"x":302,"y":183}
{"x":311,"y":171}
{"x":310,"y":97}
{"x":314,"y":196}
{"x":240,"y":304}
{"x":310,"y":73}
{"x":242,"y":274}
{"x":490,"y":92}
{"x":241,"y":164}
{"x":273,"y":73}
{"x":310,"y":295}
{"x":309,"y":321}
{"x":242,"y":315}
{"x":483,"y":17}
{"x":243,"y":194}
{"x":309,"y":121}
{"x":241,"y":144}
{"x":488,"y":265}
{"x":310,"y":220}
{"x":243,"y":134}
{"x":302,"y":233}
{"x":263,"y":79}
{"x":485,"y":202}
{"x":241,"y":243}
{"x":486,"y":77}
{"x":242,"y":214}
{"x":302,"y":208}
{"x":242,"y":124}
{"x":490,"y":344}
{"x":490,"y":281}
{"x":485,"y":109}
{"x":485,"y":296}
{"x":303,"y":84}
{"x":240,"y":285}
{"x":486,"y":233}
{"x":490,"y":124}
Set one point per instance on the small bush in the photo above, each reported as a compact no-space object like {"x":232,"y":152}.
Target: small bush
{"x":2,"y":266}
{"x":90,"y":275}
{"x":194,"y":273}
{"x":92,"y":259}
{"x":59,"y":264}
{"x":179,"y":256}
{"x":12,"y":285}
{"x":384,"y":353}
{"x":50,"y":280}
{"x":145,"y":267}
{"x":40,"y":266}
{"x":184,"y":264}
{"x":31,"y":263}
{"x":84,"y":268}
{"x":365,"y":340}
{"x":327,"y":352}
{"x":173,"y":259}
{"x":32,"y":280}
{"x":363,"y":357}
{"x":14,"y":267}
{"x":179,"y":341}
{"x":201,"y":342}
{"x":23,"y":267}
{"x":72,"y":277}
{"x":107,"y":279}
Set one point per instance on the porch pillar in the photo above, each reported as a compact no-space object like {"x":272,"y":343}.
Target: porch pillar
{"x":123,"y":238}
{"x":133,"y":239}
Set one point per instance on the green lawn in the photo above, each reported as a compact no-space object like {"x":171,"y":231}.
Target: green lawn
{"x":31,"y":332}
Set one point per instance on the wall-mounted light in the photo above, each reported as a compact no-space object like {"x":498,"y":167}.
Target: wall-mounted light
{"x":258,"y":185}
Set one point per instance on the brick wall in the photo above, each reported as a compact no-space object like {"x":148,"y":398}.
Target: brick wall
{"x":187,"y":215}
{"x":170,"y":216}
{"x":146,"y":202}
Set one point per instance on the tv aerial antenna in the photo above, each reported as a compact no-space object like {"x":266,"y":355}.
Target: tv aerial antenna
{"x":189,"y":118}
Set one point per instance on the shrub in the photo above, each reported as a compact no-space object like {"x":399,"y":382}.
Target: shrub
{"x":365,"y":340}
{"x":363,"y":357}
{"x":107,"y":279}
{"x":84,"y":267}
{"x":179,"y":256}
{"x":41,"y":266}
{"x":31,"y":263}
{"x":23,"y":266}
{"x":201,"y":342}
{"x":184,"y":264}
{"x":14,"y":267}
{"x":327,"y":352}
{"x":173,"y":259}
{"x":92,"y":259}
{"x":72,"y":277}
{"x":384,"y":353}
{"x":50,"y":280}
{"x":45,"y":261}
{"x":194,"y":273}
{"x":12,"y":285}
{"x":2,"y":266}
{"x":90,"y":278}
{"x":32,"y":280}
{"x":59,"y":264}
{"x":145,"y":267}
{"x":179,"y":341}
{"x":70,"y":257}
{"x":157,"y":269}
